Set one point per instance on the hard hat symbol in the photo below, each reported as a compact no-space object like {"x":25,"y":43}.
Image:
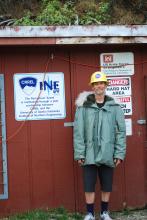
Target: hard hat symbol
{"x":97,"y":76}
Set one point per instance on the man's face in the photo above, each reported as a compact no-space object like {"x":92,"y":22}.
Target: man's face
{"x":99,"y":88}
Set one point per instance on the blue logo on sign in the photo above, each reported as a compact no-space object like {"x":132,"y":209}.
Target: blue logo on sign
{"x":50,"y":85}
{"x":28,"y":84}
{"x":97,"y":76}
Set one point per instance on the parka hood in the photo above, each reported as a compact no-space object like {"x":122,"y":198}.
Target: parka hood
{"x":87,"y":98}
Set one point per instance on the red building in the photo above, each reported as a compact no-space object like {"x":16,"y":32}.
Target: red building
{"x":37,"y":165}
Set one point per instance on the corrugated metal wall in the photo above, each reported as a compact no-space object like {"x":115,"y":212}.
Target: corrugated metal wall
{"x":41,"y":169}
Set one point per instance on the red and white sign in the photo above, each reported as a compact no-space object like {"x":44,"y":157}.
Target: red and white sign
{"x":125,"y":104}
{"x":119,"y":86}
{"x":117,"y":64}
{"x":120,"y":89}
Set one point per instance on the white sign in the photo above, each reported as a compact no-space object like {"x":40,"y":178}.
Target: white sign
{"x":39,"y":96}
{"x":125,"y":103}
{"x":117,"y":64}
{"x":119,"y":86}
{"x":120,"y":89}
{"x":128,"y":122}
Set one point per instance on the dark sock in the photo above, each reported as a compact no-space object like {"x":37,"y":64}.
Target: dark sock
{"x":104,"y":207}
{"x":90,"y":208}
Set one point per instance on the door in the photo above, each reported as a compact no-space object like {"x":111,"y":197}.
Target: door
{"x":129,"y":178}
{"x":40,"y":153}
{"x":81,"y":76}
{"x":52,"y":155}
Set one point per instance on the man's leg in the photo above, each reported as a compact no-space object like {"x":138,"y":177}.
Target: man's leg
{"x":105,"y":196}
{"x":89,"y":197}
{"x":106,"y":179}
{"x":90,"y":176}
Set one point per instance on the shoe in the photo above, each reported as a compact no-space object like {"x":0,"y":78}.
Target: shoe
{"x":89,"y":216}
{"x":105,"y":216}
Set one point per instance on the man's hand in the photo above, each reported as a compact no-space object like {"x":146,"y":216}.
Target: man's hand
{"x":117,"y":161}
{"x":81,"y":162}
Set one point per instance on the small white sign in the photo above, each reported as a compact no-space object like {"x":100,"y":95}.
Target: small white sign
{"x":117,"y":64}
{"x":119,"y":86}
{"x":128,"y":122}
{"x":125,"y":103}
{"x":39,"y":96}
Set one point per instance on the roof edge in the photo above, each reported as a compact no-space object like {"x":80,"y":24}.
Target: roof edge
{"x":73,"y":31}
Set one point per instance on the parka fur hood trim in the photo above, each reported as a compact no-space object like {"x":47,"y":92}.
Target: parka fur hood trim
{"x":87,"y":98}
{"x":82,"y":97}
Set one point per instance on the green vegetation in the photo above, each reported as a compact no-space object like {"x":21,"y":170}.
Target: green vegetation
{"x":75,"y":12}
{"x":62,"y":214}
{"x":52,"y":214}
{"x":57,"y":13}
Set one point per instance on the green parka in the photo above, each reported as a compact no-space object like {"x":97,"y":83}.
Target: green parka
{"x":99,"y":133}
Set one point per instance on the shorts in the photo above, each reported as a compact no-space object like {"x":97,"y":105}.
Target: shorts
{"x":105,"y":174}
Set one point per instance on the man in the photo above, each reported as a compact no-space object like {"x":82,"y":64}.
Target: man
{"x":99,"y":142}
